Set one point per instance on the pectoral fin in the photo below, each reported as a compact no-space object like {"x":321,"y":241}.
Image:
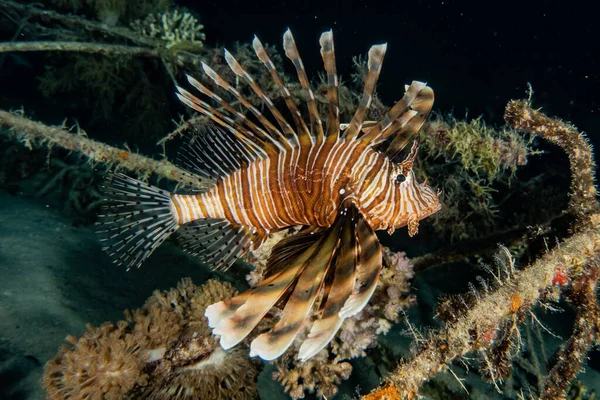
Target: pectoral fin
{"x":234,"y":319}
{"x":367,"y":269}
{"x":338,"y":291}
{"x":272,"y":344}
{"x":343,"y":262}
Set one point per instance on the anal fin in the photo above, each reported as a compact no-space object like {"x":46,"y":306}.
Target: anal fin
{"x":214,"y":241}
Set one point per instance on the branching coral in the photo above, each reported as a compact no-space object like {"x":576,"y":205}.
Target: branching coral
{"x":105,"y":361}
{"x":482,"y":150}
{"x":33,"y":133}
{"x":162,"y":351}
{"x":478,"y":163}
{"x":582,"y":203}
{"x":317,"y":374}
{"x":488,"y":324}
{"x":175,"y":28}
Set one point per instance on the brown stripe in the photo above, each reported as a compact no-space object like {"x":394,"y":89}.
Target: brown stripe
{"x":201,"y":205}
{"x":220,"y":192}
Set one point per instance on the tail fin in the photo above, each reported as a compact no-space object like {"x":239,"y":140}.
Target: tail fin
{"x":137,"y":219}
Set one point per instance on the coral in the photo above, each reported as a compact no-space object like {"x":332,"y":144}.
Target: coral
{"x":582,"y":200}
{"x":105,"y":360}
{"x":478,"y":163}
{"x":32,"y":133}
{"x":583,"y":293}
{"x":175,"y":28}
{"x":480,"y":149}
{"x":161,"y":351}
{"x":317,"y":374}
{"x":391,"y":293}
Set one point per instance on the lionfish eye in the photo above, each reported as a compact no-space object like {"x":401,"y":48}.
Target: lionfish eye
{"x":400,"y":178}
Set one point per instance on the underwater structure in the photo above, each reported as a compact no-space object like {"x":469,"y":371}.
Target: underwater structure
{"x":168,"y":348}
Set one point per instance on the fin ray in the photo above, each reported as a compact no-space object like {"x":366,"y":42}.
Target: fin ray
{"x":375,"y":62}
{"x":328,"y":55}
{"x":291,"y":51}
{"x":216,"y":242}
{"x":402,"y":121}
{"x":214,"y":153}
{"x":241,"y":72}
{"x":339,"y":290}
{"x":256,"y":302}
{"x":272,"y":133}
{"x":367,"y":271}
{"x":403,"y":134}
{"x":301,"y":128}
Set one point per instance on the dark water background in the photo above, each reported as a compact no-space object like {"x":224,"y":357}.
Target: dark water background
{"x":475,"y":54}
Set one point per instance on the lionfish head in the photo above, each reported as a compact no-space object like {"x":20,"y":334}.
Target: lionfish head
{"x":415,"y":200}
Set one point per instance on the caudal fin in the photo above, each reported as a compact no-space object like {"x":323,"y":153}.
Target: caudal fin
{"x":136,"y":219}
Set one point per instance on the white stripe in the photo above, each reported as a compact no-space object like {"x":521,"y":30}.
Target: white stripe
{"x":216,"y":201}
{"x":255,"y":203}
{"x":186,"y":215}
{"x":285,"y":196}
{"x":379,"y":208}
{"x":269,"y":204}
{"x":208,"y":204}
{"x":196,"y":210}
{"x":239,"y":190}
{"x":361,"y":171}
{"x":337,"y":166}
{"x":230,"y":196}
{"x":314,"y":161}
{"x":374,"y":189}
{"x":402,"y":200}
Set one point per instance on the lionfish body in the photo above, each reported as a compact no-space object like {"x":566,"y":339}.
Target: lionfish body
{"x":307,"y":186}
{"x":337,"y":181}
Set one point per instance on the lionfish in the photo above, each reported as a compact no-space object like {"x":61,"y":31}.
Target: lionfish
{"x":337,"y":181}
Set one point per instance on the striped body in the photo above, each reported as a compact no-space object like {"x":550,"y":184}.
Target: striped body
{"x":306,"y":187}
